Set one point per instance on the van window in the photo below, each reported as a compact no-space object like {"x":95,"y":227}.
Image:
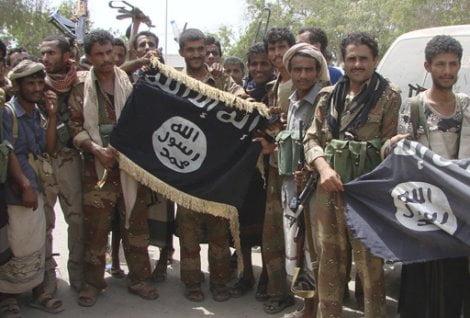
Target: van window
{"x":404,"y":65}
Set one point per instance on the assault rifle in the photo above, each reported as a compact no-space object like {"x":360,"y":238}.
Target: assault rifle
{"x":303,"y":284}
{"x":127,"y":10}
{"x":294,"y":202}
{"x":266,"y":24}
{"x":74,"y":28}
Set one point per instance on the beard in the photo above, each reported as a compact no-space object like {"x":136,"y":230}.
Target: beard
{"x":444,"y":86}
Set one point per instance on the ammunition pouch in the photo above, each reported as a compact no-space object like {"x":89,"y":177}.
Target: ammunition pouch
{"x":288,"y":152}
{"x":41,"y":164}
{"x":351,"y":159}
{"x":63,"y":136}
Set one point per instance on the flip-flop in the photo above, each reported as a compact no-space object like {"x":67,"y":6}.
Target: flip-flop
{"x":47,"y":303}
{"x":117,"y":273}
{"x":87,"y":296}
{"x":144,"y":290}
{"x":277,"y":304}
{"x":9,"y":308}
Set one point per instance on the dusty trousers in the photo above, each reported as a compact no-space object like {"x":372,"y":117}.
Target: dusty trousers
{"x":331,"y":244}
{"x":98,"y":209}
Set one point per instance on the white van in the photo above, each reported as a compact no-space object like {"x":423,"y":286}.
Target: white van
{"x":403,"y":63}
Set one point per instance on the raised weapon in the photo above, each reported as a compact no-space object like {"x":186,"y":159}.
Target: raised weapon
{"x":74,"y":28}
{"x":127,"y":10}
{"x":266,"y":24}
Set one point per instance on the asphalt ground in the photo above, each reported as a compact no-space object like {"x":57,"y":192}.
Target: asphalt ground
{"x":116,"y":301}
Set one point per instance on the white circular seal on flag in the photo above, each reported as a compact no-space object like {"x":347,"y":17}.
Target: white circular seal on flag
{"x":423,"y":207}
{"x":180,"y":145}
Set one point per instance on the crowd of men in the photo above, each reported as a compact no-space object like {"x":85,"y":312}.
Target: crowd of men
{"x":58,"y":112}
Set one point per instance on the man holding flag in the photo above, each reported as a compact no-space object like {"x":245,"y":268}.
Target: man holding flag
{"x":439,"y":119}
{"x":352,"y":120}
{"x":95,"y":109}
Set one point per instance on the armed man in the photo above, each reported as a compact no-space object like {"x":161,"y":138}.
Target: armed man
{"x":65,"y":183}
{"x":309,"y":73}
{"x":359,"y":112}
{"x":95,"y":109}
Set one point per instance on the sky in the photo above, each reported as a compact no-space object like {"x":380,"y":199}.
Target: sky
{"x":207,"y":15}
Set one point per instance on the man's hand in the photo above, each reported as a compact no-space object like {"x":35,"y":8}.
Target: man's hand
{"x":398,"y":137}
{"x":145,"y":60}
{"x":266,"y":146}
{"x":301,"y":176}
{"x":50,"y":103}
{"x":29,"y":197}
{"x":217,"y":70}
{"x":330,"y":181}
{"x":106,"y":156}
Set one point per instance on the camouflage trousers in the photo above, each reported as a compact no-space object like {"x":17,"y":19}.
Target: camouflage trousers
{"x":189,"y":232}
{"x":273,"y":236}
{"x":332,"y":244}
{"x":98,"y":209}
{"x":66,"y":185}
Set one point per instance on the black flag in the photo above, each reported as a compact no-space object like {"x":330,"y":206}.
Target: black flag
{"x":413,"y":207}
{"x":190,"y":142}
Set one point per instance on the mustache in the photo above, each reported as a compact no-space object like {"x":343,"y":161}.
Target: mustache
{"x":107,"y":63}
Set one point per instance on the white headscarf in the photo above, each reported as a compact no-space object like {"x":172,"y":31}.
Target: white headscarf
{"x":311,"y":51}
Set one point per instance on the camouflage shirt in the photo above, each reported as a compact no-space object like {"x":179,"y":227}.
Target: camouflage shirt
{"x":381,"y":123}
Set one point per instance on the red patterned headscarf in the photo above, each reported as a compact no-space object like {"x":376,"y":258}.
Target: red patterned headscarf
{"x":62,"y":83}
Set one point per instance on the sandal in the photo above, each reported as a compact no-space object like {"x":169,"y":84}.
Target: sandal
{"x":220,"y":292}
{"x":87,"y":296}
{"x":144,"y":290}
{"x":9,"y":308}
{"x":278,"y":303}
{"x":47,"y":303}
{"x":117,"y":273}
{"x":241,"y":287}
{"x":194,"y":293}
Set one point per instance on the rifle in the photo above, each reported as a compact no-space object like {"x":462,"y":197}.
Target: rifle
{"x":127,"y":10}
{"x":294,"y":202}
{"x":74,"y":28}
{"x":415,"y":88}
{"x":268,"y":16}
{"x":303,"y":284}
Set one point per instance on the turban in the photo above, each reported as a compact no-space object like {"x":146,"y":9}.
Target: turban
{"x":25,"y":68}
{"x":311,"y":51}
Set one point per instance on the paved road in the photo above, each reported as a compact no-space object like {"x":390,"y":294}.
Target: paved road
{"x":116,"y":302}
